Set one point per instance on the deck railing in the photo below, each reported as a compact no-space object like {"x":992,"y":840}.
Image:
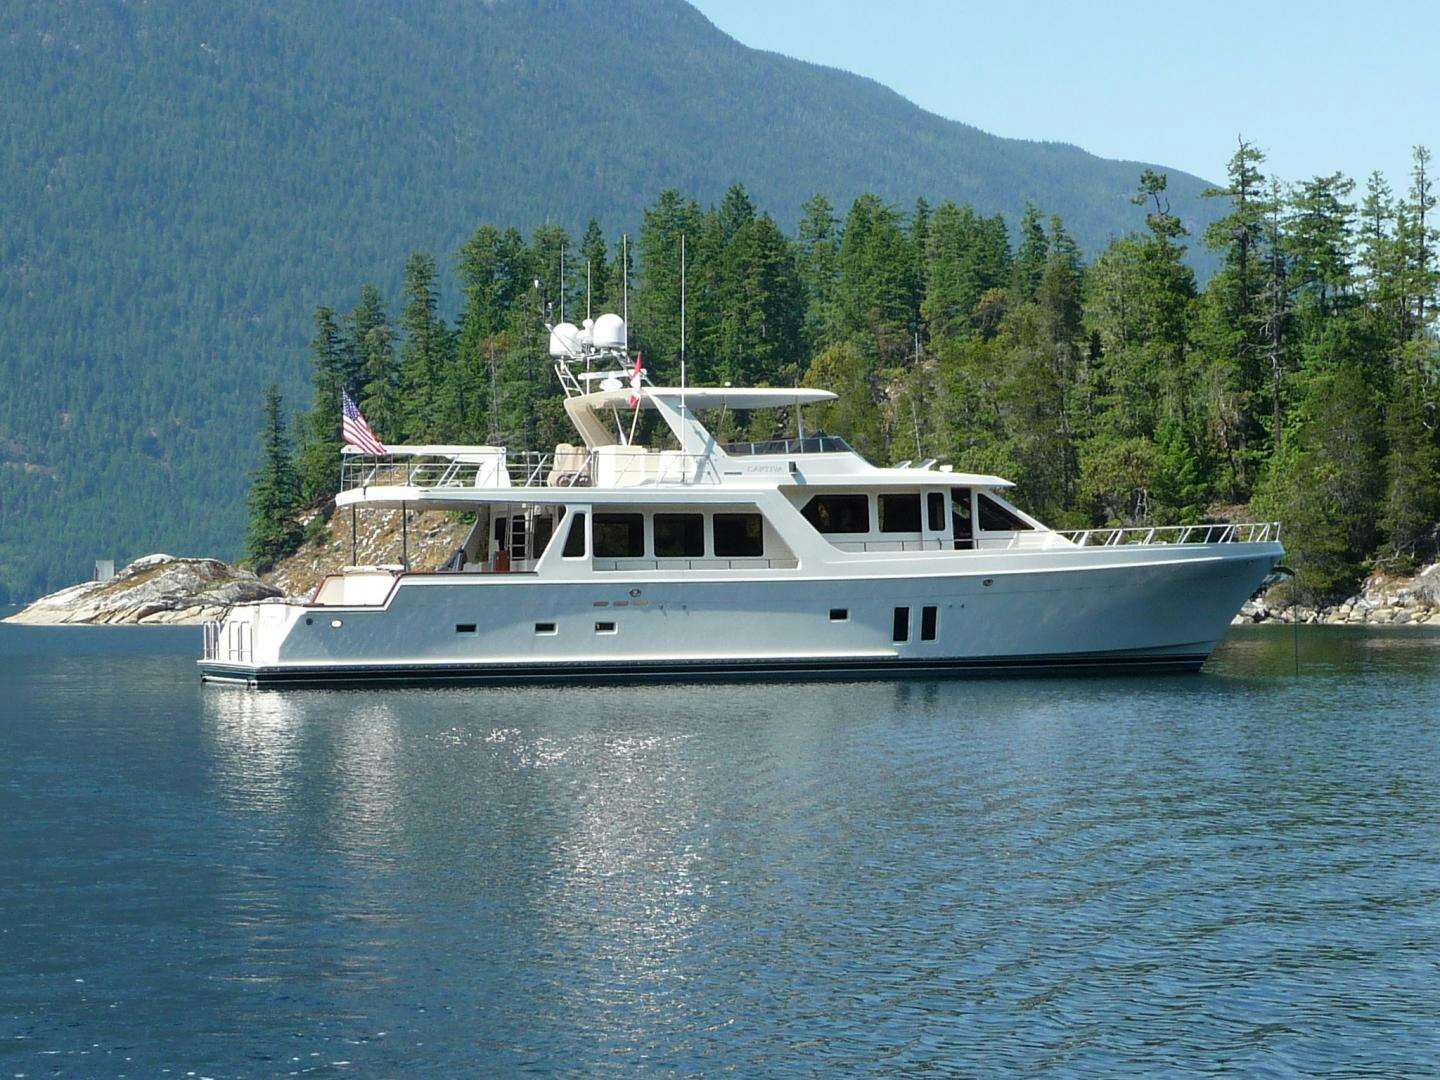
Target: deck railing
{"x":1247,"y":532}
{"x":578,"y":468}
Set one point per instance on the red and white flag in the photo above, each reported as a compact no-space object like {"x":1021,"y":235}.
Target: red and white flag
{"x":355,"y":430}
{"x":635,"y":378}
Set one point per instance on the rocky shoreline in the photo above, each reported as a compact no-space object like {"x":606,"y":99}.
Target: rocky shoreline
{"x":1383,"y":600}
{"x":157,"y":590}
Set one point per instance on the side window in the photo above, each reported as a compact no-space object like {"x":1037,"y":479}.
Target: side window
{"x":839,"y":513}
{"x":575,"y":539}
{"x":679,"y":536}
{"x":739,"y":536}
{"x":544,"y":529}
{"x":934,"y":511}
{"x":900,"y":513}
{"x":619,"y":536}
{"x":995,"y":518}
{"x":961,"y":523}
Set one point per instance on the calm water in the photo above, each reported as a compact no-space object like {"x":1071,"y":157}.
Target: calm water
{"x":1238,"y":871}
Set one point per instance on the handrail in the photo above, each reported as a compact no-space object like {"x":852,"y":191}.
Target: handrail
{"x":580,"y":468}
{"x":1247,"y":532}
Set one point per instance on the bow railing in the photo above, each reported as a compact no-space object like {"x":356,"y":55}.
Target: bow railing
{"x":1247,"y":532}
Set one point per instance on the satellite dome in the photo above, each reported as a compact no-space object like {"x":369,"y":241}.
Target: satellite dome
{"x":565,"y":340}
{"x":610,"y":332}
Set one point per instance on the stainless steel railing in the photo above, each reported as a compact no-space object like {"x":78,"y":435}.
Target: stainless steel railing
{"x":529,"y":470}
{"x":1248,"y":532}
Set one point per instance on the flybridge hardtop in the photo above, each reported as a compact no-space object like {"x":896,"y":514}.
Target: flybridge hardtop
{"x":610,"y":559}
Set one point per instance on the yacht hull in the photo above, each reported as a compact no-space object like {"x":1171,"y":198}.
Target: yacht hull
{"x":1130,"y":610}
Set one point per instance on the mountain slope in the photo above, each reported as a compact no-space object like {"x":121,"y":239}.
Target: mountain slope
{"x":184,"y":183}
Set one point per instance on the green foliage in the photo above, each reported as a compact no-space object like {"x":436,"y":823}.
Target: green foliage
{"x":274,"y":491}
{"x":1116,"y":392}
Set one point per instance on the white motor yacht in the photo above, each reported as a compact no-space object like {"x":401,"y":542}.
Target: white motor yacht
{"x":607,"y":560}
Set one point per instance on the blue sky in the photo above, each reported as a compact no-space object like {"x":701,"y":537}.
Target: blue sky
{"x":1320,"y":86}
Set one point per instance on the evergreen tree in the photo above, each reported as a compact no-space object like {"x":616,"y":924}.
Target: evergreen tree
{"x":274,"y":491}
{"x":818,"y":260}
{"x":320,"y":433}
{"x":1031,"y":256}
{"x":1412,"y":471}
{"x":428,"y":407}
{"x":875,"y":281}
{"x":593,"y":252}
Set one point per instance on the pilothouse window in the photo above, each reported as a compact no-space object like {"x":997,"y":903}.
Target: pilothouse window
{"x":839,"y":513}
{"x":995,"y":518}
{"x":575,"y":540}
{"x":900,"y":513}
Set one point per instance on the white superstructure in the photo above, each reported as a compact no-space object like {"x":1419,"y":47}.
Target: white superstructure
{"x":794,"y":557}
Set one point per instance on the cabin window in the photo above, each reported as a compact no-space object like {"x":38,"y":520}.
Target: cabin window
{"x":679,"y":536}
{"x":839,"y":614}
{"x":465,"y":628}
{"x":839,"y":513}
{"x":575,"y":539}
{"x":544,"y":628}
{"x":934,"y":511}
{"x":901,"y":632}
{"x":929,"y":618}
{"x":619,"y":536}
{"x":960,"y":520}
{"x":605,"y":628}
{"x":900,"y":513}
{"x":739,"y":536}
{"x":995,"y":518}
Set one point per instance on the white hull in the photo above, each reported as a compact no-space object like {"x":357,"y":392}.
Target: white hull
{"x":1162,"y":606}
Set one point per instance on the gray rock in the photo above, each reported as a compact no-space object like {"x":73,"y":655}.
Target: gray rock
{"x":156,"y":589}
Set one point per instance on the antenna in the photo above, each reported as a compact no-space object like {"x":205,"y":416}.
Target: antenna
{"x":625,"y":285}
{"x":562,"y":282}
{"x":587,"y":288}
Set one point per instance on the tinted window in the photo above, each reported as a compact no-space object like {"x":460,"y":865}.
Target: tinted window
{"x":900,"y":513}
{"x":679,"y":536}
{"x":839,"y":513}
{"x":928,"y":619}
{"x":960,"y":521}
{"x":995,"y":518}
{"x":935,"y":511}
{"x":902,"y":625}
{"x":739,"y":536}
{"x":619,"y":536}
{"x":575,"y":541}
{"x":544,"y":529}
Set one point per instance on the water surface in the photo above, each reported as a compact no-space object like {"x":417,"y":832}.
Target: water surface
{"x":1236,"y":871}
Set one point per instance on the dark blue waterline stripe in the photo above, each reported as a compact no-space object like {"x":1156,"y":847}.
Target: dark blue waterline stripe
{"x":605,"y":672}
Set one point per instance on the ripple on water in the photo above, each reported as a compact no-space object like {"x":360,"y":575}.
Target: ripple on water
{"x":1233,"y":872}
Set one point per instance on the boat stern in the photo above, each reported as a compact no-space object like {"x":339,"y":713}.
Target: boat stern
{"x":237,"y":647}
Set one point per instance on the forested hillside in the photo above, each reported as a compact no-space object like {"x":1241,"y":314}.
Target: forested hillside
{"x":184,"y":183}
{"x":1299,"y":383}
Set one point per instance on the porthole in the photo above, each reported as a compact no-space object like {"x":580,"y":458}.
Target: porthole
{"x":465,"y":628}
{"x":839,"y":614}
{"x":335,"y":624}
{"x":544,"y":628}
{"x":605,"y":628}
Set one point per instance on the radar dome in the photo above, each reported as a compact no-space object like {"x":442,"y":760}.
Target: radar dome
{"x":610,"y":332}
{"x":565,"y":340}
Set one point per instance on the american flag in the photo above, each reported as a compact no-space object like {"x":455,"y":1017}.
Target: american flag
{"x":356,"y":431}
{"x":635,"y":377}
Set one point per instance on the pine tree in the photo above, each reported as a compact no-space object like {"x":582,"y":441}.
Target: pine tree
{"x":875,"y":281}
{"x":320,"y":434}
{"x":427,"y":406}
{"x":1412,"y":470}
{"x":1033,"y":251}
{"x":274,"y":491}
{"x":597,"y":266}
{"x":818,"y":260}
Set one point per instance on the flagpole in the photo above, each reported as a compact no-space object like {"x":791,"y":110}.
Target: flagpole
{"x":684,"y":425}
